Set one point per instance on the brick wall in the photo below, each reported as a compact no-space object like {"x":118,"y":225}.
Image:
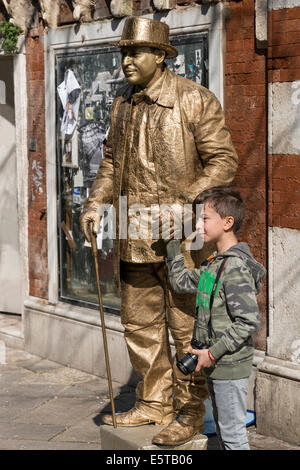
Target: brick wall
{"x":284,"y":45}
{"x":37,"y":196}
{"x":245,"y":109}
{"x":284,"y":69}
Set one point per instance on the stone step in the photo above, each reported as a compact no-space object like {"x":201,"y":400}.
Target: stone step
{"x":140,"y":438}
{"x":12,"y":340}
{"x":11,"y":330}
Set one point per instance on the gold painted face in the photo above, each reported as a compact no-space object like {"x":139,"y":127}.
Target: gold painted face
{"x":141,"y":65}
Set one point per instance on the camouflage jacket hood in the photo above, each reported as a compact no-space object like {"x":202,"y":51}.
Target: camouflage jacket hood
{"x":242,"y":251}
{"x":227,"y":317}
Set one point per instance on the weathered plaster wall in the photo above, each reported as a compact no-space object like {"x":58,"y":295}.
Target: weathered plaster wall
{"x":10,"y":275}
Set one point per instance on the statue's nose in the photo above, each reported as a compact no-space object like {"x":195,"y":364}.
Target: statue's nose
{"x":126,"y":60}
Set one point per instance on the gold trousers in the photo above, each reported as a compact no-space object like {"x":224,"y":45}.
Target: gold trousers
{"x":149,"y":308}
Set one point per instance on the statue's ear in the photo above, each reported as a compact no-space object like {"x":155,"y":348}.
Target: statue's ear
{"x":160,"y":56}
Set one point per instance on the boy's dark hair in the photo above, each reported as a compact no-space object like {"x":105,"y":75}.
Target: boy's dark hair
{"x":226,"y":202}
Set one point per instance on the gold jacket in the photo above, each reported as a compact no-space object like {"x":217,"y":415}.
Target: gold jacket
{"x":191,"y":148}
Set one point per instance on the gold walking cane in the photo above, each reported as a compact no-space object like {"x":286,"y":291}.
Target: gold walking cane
{"x":95,"y":253}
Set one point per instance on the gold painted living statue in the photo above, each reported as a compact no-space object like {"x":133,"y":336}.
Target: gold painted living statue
{"x":168,"y":141}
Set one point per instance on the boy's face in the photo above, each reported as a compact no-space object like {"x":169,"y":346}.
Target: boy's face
{"x":211,"y":226}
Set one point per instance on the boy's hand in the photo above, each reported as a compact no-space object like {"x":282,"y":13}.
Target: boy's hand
{"x":203,"y":358}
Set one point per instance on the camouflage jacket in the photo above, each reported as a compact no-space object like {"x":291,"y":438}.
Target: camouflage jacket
{"x":228,"y":328}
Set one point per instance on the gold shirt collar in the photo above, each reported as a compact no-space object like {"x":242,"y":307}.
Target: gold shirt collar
{"x":162,"y":91}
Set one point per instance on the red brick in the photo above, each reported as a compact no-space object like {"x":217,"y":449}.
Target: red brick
{"x":250,"y":170}
{"x":273,"y":76}
{"x":244,"y":67}
{"x":249,"y":182}
{"x":240,"y":45}
{"x":282,"y":185}
{"x":35,"y":292}
{"x":277,"y":159}
{"x":246,"y":79}
{"x":284,"y":14}
{"x":38,"y":75}
{"x":274,"y":221}
{"x":290,"y":222}
{"x":289,"y":75}
{"x":286,"y":209}
{"x":286,"y":197}
{"x":275,"y":196}
{"x":284,"y":172}
{"x":255,"y":89}
{"x":240,"y":56}
{"x":257,"y":125}
{"x":293,"y":13}
{"x":278,"y":15}
{"x":246,"y":21}
{"x":292,"y":161}
{"x":285,"y":63}
{"x":291,"y":37}
{"x":240,"y":33}
{"x":287,"y":50}
{"x":256,"y":101}
{"x":254,"y":153}
{"x":239,"y":9}
{"x":235,"y":91}
{"x":285,"y":26}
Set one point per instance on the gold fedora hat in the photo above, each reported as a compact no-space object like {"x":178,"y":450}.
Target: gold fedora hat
{"x":139,"y":31}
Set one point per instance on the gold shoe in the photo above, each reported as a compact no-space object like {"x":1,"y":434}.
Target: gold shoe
{"x":176,"y":434}
{"x":134,"y":417}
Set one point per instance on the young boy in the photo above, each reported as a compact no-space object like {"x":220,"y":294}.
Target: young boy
{"x":226,"y":309}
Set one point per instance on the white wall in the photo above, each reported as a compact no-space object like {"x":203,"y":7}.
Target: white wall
{"x":284,"y":324}
{"x":10,"y":273}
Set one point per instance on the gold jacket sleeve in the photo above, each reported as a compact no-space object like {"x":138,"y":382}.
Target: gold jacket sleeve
{"x":214,"y":146}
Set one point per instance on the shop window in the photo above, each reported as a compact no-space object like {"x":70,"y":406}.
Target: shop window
{"x":86,"y":83}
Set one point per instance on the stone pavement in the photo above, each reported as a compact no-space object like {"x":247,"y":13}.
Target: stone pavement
{"x":47,"y":406}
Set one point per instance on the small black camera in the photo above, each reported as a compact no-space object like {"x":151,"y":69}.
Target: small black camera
{"x":188,"y":363}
